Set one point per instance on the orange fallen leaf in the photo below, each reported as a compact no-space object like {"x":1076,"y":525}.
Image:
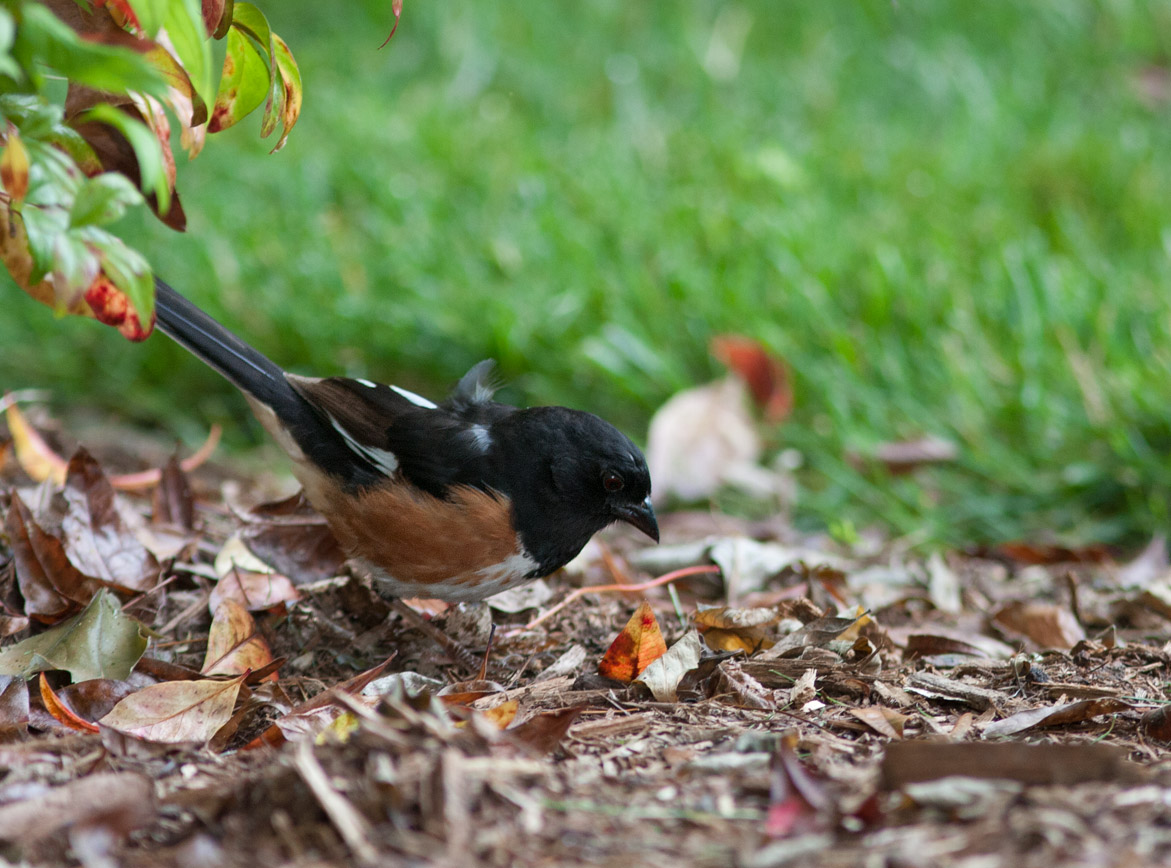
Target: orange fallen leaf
{"x":543,"y":732}
{"x":638,"y":646}
{"x":767,"y":377}
{"x":503,"y":714}
{"x":233,"y":644}
{"x":61,"y":711}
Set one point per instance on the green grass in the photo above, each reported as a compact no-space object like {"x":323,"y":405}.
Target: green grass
{"x":948,"y":217}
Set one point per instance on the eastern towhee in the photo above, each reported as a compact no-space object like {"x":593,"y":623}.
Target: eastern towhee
{"x":455,"y":501}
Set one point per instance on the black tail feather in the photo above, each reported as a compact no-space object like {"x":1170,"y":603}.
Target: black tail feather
{"x":259,"y":377}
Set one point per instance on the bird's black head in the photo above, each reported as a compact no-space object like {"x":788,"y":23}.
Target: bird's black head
{"x":587,"y":475}
{"x":605,"y":475}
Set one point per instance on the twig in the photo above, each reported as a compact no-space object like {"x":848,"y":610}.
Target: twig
{"x":350,"y":824}
{"x":664,"y":579}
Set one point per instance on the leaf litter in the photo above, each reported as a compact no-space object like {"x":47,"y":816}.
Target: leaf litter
{"x":745,"y":695}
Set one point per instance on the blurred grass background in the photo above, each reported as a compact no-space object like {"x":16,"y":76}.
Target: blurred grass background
{"x":950,"y":218}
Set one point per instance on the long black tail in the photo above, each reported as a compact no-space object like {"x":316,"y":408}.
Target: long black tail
{"x":259,"y":377}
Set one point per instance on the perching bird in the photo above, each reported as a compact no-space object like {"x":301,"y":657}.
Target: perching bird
{"x":454,"y":501}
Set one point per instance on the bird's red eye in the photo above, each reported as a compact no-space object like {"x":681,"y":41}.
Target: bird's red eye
{"x":611,"y":481}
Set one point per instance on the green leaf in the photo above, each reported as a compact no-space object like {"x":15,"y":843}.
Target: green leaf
{"x":146,"y":147}
{"x":8,"y":64}
{"x":291,"y":82}
{"x":127,"y":269}
{"x":98,"y":642}
{"x":184,"y":26}
{"x":42,"y":226}
{"x":75,"y":265}
{"x":103,"y":199}
{"x":253,"y":23}
{"x":43,"y":37}
{"x":244,"y":83}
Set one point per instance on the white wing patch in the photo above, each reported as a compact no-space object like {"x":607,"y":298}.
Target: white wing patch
{"x":480,"y":437}
{"x":367,"y":384}
{"x":417,"y":400}
{"x":384,"y":460}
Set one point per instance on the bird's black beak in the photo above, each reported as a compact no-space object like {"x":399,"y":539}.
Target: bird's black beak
{"x":641,"y":516}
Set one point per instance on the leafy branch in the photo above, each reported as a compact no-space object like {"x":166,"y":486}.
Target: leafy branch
{"x":73,"y":159}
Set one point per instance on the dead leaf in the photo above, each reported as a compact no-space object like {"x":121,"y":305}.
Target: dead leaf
{"x":256,"y":592}
{"x":908,"y":455}
{"x":662,"y":677}
{"x":60,"y":711}
{"x":743,"y":688}
{"x":704,"y":438}
{"x":234,"y":646}
{"x":173,"y":502}
{"x":884,"y":721}
{"x":502,"y":715}
{"x":292,"y":538}
{"x":51,"y":585}
{"x":98,"y":642}
{"x":95,"y":537}
{"x":1056,"y":715}
{"x":638,"y":645}
{"x":13,"y":708}
{"x":311,"y":716}
{"x":542,"y":733}
{"x":1043,"y":624}
{"x":94,"y":699}
{"x":728,"y":629}
{"x":34,"y":455}
{"x":176,"y":712}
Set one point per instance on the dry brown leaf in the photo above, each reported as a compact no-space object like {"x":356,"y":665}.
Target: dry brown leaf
{"x":52,"y":587}
{"x":542,"y":733}
{"x":95,"y":537}
{"x":120,"y":802}
{"x":634,"y":649}
{"x":1056,"y":715}
{"x":884,"y":721}
{"x":662,"y":677}
{"x":729,"y":629}
{"x":176,"y":712}
{"x":14,"y":708}
{"x":1043,"y":624}
{"x":766,"y":376}
{"x":256,"y":592}
{"x":172,"y":501}
{"x":233,"y":645}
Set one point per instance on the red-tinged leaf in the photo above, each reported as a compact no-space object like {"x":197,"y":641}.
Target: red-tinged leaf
{"x":638,"y":646}
{"x":244,"y":81}
{"x":542,"y":733}
{"x":122,"y":12}
{"x":767,"y":378}
{"x":95,"y":537}
{"x":32,"y":452}
{"x":111,"y":306}
{"x":52,"y":587}
{"x":290,"y":82}
{"x":1043,"y":554}
{"x":60,"y":711}
{"x":189,"y":106}
{"x":233,"y":644}
{"x":13,"y":708}
{"x":213,"y":14}
{"x":14,"y":166}
{"x":396,"y":7}
{"x":176,"y":712}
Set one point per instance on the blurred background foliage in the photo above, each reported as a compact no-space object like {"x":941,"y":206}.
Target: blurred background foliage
{"x":950,"y":218}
